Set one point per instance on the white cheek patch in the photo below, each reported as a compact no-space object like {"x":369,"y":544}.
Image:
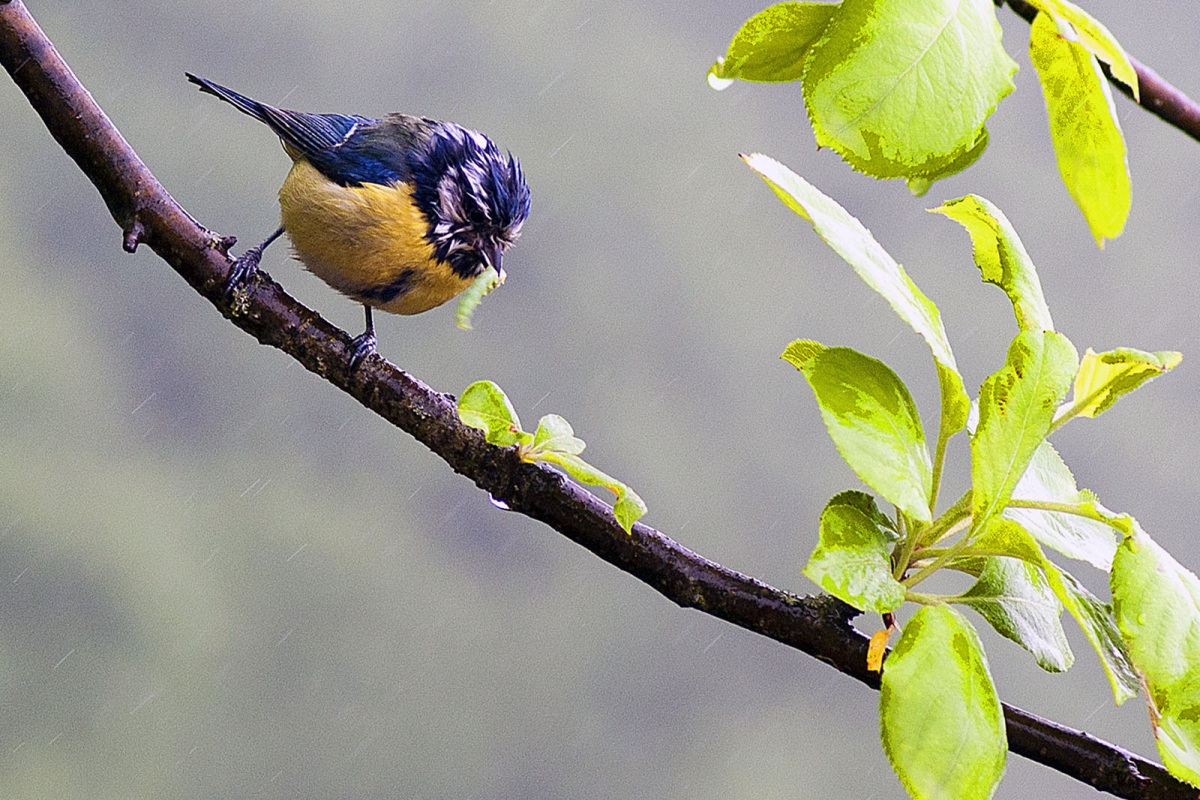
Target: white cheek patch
{"x":450,"y":198}
{"x":474,"y":179}
{"x":474,"y":174}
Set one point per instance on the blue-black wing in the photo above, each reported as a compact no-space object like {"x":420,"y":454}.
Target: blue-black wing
{"x":346,"y":148}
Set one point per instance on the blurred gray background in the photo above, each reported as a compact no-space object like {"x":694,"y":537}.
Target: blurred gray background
{"x":221,"y":577}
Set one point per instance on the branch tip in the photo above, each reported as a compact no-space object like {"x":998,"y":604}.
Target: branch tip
{"x":222,"y":244}
{"x":133,"y":234}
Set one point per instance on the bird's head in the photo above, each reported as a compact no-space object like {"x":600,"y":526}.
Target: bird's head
{"x":474,"y":196}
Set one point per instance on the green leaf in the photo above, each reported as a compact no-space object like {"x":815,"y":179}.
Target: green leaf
{"x":901,"y":88}
{"x":772,"y":46}
{"x":1048,"y":479}
{"x":852,"y":560}
{"x":473,"y":295}
{"x":874,"y":422}
{"x":484,"y":405}
{"x":1105,"y":377}
{"x":800,"y":351}
{"x":629,"y":507}
{"x":554,"y":434}
{"x":1096,"y":621}
{"x":1157,"y":604}
{"x":1015,"y":598}
{"x":940,"y":718}
{"x":1016,"y":407}
{"x":1006,"y":538}
{"x":850,"y":239}
{"x":1096,"y":38}
{"x":919,"y":184}
{"x":1003,"y":537}
{"x":1087,"y":138}
{"x":1001,"y":258}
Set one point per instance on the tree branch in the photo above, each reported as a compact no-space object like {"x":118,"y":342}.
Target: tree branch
{"x":1157,"y":96}
{"x":819,"y":626}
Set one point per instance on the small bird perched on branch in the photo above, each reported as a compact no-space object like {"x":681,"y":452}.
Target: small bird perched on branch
{"x":400,"y":213}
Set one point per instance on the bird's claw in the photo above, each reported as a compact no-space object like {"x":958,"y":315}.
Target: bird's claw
{"x":243,"y":267}
{"x":364,"y":345}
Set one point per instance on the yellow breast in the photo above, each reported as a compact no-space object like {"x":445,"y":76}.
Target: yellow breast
{"x":366,"y":241}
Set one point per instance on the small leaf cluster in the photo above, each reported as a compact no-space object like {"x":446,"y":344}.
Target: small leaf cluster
{"x":902,"y":88}
{"x":484,"y":405}
{"x":941,"y":720}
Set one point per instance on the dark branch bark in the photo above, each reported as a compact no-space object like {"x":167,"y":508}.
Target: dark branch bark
{"x":819,"y":626}
{"x":1157,"y":96}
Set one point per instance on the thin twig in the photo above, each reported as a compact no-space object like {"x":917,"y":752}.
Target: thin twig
{"x":818,"y":626}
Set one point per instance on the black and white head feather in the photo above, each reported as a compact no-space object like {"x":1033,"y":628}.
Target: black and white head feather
{"x":474,"y":196}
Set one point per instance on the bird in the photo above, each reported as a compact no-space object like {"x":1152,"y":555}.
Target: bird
{"x":400,"y":214}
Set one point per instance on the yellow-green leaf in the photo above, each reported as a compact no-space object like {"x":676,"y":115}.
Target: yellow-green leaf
{"x":1157,"y":605}
{"x":800,"y":351}
{"x":1001,"y":258}
{"x":852,"y":560}
{"x":1096,"y":38}
{"x":1104,"y":377}
{"x":1004,"y":537}
{"x":772,"y":46}
{"x":1088,"y":142}
{"x":1048,"y":479}
{"x":1014,"y":597}
{"x":1016,"y":408}
{"x":1095,"y":619}
{"x":940,"y":717}
{"x":901,"y":88}
{"x":484,"y":405}
{"x":851,"y":240}
{"x":873,"y":421}
{"x":629,"y":507}
{"x":554,"y":434}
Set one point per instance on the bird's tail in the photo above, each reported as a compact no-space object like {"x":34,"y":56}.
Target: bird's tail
{"x":310,"y":135}
{"x":260,"y":111}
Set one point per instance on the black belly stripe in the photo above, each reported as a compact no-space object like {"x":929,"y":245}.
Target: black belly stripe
{"x":386,"y":293}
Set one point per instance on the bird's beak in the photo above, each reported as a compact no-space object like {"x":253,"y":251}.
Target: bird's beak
{"x":493,"y":256}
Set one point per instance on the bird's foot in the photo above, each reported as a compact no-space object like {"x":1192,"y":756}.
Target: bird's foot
{"x":243,"y":267}
{"x":364,"y":345}
{"x":247,"y":264}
